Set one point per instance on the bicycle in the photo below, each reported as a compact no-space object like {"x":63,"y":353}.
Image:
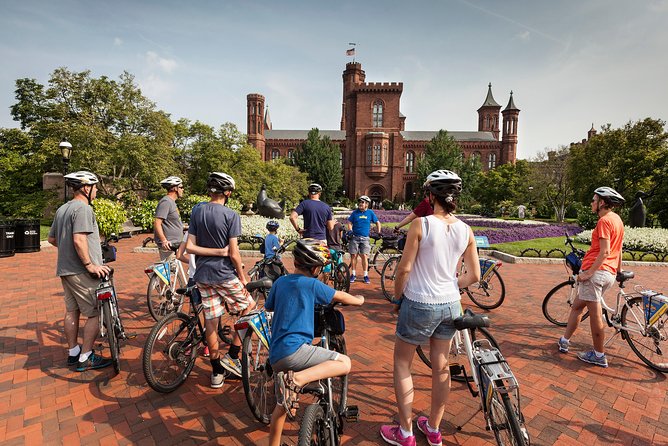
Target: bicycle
{"x":491,"y":379}
{"x":111,"y":326}
{"x":271,"y":267}
{"x":164,"y":279}
{"x":337,"y":272}
{"x":641,"y":319}
{"x":390,"y":247}
{"x":490,"y":291}
{"x":322,"y":423}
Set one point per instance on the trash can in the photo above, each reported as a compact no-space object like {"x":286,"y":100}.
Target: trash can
{"x":26,"y":236}
{"x":7,"y":239}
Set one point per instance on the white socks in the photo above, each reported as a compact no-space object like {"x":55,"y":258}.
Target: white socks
{"x":74,"y":351}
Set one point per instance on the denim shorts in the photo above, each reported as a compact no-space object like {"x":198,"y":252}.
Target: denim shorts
{"x":359,"y":245}
{"x":418,"y":321}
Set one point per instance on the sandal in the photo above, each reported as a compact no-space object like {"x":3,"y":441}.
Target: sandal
{"x":288,"y":392}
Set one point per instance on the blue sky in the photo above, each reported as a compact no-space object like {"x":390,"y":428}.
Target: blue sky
{"x":570,"y":63}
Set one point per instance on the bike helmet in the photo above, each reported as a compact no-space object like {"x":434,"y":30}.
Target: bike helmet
{"x":364,"y":198}
{"x":170,"y":182}
{"x":272,"y":225}
{"x":310,"y":253}
{"x":314,"y":188}
{"x":219,"y":182}
{"x":443,"y":183}
{"x":610,"y":196}
{"x":81,"y":178}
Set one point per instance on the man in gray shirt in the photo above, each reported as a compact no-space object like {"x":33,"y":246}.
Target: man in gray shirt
{"x":75,"y":233}
{"x":168,"y":227}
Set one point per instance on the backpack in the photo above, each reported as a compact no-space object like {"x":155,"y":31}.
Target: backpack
{"x":262,"y":249}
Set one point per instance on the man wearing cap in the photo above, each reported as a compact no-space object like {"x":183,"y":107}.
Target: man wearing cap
{"x":359,"y":223}
{"x":317,"y":216}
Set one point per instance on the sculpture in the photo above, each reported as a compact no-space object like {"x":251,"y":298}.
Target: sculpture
{"x":267,"y":207}
{"x":637,"y":212}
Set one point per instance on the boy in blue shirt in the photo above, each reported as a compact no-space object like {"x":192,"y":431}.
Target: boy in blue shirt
{"x":271,"y":241}
{"x":359,"y":223}
{"x":292,"y":356}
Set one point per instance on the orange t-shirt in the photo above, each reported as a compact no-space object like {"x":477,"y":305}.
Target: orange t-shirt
{"x":609,"y":227}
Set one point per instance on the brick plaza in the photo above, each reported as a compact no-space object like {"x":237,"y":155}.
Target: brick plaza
{"x":565,"y":401}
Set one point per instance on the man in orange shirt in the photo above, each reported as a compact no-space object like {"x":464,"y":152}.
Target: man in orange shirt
{"x":599,"y":269}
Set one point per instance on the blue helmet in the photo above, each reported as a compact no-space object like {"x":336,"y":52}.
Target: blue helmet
{"x":272,"y":225}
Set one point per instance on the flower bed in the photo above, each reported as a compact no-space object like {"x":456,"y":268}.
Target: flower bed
{"x":255,"y":225}
{"x":638,"y":239}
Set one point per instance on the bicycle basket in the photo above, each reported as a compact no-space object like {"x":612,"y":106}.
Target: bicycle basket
{"x":334,"y":320}
{"x":401,"y":243}
{"x":109,"y":253}
{"x":485,"y":266}
{"x":392,"y":242}
{"x":573,"y":262}
{"x":654,"y":305}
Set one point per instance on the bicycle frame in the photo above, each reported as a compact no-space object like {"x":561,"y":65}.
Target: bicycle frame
{"x":614,"y":319}
{"x":164,"y":271}
{"x":106,"y":291}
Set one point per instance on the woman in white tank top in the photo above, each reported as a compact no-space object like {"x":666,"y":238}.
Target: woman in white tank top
{"x":429,"y":287}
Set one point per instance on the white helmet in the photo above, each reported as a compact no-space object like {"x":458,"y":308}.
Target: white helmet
{"x":443,"y":182}
{"x":610,"y":195}
{"x":220,"y":182}
{"x":314,"y":188}
{"x":81,"y":178}
{"x":364,"y":198}
{"x":170,"y":182}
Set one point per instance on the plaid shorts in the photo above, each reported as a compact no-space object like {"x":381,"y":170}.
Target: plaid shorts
{"x":219,"y":296}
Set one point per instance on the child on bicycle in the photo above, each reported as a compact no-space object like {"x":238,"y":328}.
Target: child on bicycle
{"x":292,"y":356}
{"x":271,"y":241}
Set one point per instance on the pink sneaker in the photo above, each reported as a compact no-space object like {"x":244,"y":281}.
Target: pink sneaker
{"x":434,"y":438}
{"x":392,"y":435}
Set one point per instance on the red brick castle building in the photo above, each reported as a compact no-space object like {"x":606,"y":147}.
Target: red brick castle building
{"x":378,"y":154}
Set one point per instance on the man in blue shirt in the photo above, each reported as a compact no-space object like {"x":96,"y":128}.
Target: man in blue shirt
{"x":358,"y":245}
{"x":317,"y":216}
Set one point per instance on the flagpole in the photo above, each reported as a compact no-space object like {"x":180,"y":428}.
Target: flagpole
{"x":354,"y":45}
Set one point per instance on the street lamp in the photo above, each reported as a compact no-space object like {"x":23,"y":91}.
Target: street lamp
{"x":66,"y":151}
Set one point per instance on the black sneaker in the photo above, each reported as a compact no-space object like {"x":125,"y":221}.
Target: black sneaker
{"x":93,"y":362}
{"x":72,"y":360}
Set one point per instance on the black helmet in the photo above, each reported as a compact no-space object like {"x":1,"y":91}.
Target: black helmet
{"x":272,"y":225}
{"x":314,"y":188}
{"x":443,"y":183}
{"x":610,"y":196}
{"x":77,"y":180}
{"x":310,"y":253}
{"x":219,"y":182}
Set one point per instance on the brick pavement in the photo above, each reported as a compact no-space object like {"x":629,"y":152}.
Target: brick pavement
{"x":565,"y":402}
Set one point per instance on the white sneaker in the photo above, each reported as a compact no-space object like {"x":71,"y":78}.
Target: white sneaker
{"x":217,"y":380}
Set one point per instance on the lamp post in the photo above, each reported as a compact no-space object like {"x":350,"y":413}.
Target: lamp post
{"x":66,"y":151}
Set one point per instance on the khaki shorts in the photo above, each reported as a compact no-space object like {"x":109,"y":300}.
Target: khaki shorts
{"x":80,"y":294}
{"x":592,"y":290}
{"x":231,"y":294}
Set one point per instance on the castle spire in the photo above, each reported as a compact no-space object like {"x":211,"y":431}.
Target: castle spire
{"x":511,"y":103}
{"x":489,"y":100}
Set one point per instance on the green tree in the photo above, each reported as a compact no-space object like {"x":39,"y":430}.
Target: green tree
{"x":443,"y":152}
{"x":319,"y":158}
{"x":504,"y":183}
{"x":549,"y":178}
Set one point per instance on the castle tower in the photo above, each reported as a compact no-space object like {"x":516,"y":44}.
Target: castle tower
{"x":510,"y":116}
{"x":353,"y":75}
{"x":488,"y":114}
{"x":591,"y":133}
{"x":255,"y":122}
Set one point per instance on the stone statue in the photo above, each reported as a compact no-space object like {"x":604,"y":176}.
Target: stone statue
{"x":637,"y":212}
{"x":267,"y":207}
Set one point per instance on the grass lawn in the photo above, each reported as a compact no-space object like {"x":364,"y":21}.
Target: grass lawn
{"x":44,"y":232}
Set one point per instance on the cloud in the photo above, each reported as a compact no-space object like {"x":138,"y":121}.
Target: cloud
{"x":166,"y":65}
{"x":658,"y":5}
{"x":525,"y":35}
{"x":118,"y":41}
{"x":156,"y":88}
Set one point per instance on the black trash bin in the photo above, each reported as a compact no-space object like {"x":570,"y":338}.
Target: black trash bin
{"x":27,"y":235}
{"x":7,"y":238}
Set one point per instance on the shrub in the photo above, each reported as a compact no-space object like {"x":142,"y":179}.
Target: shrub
{"x":144,"y":214}
{"x":186,"y":204}
{"x":110,"y":216}
{"x":389,"y":205}
{"x":586,"y":218}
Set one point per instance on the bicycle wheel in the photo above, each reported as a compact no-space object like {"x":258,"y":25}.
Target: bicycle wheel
{"x":257,"y":377}
{"x":226,"y":327}
{"x":160,"y":298}
{"x":505,"y":420}
{"x":382,"y":256}
{"x":339,"y":383}
{"x":557,"y":304}
{"x":488,"y":294}
{"x":387,"y":275}
{"x":314,"y":430}
{"x":652,"y":346}
{"x":170,"y":352}
{"x":112,"y":338}
{"x":341,"y":280}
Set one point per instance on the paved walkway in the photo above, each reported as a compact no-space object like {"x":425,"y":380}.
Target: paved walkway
{"x":565,"y":401}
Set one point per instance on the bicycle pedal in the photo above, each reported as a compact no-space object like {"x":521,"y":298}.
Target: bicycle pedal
{"x":351,"y":414}
{"x":127,"y":336}
{"x":456,"y":369}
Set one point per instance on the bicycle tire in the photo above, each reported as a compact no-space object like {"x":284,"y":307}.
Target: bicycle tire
{"x":170,"y":352}
{"x":387,"y":276}
{"x":341,"y":279}
{"x":505,"y":421}
{"x":382,"y":256}
{"x":257,"y":377}
{"x":652,"y":345}
{"x":480,"y":293}
{"x":112,"y":338}
{"x":160,"y":297}
{"x":339,"y":383}
{"x":313,"y":430}
{"x":424,"y":355}
{"x":556,"y":305}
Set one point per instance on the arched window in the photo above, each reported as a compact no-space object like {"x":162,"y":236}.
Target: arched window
{"x":492,"y":161}
{"x":275,"y":154}
{"x":410,"y":161}
{"x":291,"y":155}
{"x":476,"y":155}
{"x":378,"y":113}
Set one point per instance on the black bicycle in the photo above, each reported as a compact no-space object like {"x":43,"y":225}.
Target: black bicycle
{"x":322,"y":423}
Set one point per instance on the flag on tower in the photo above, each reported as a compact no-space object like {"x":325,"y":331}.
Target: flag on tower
{"x":350,"y":52}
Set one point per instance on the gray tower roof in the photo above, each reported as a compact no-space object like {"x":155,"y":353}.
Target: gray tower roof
{"x":489,"y":100}
{"x":511,"y":103}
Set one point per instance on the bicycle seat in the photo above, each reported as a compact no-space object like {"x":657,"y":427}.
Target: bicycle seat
{"x":623,"y":276}
{"x":470,"y":320}
{"x":262,"y":283}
